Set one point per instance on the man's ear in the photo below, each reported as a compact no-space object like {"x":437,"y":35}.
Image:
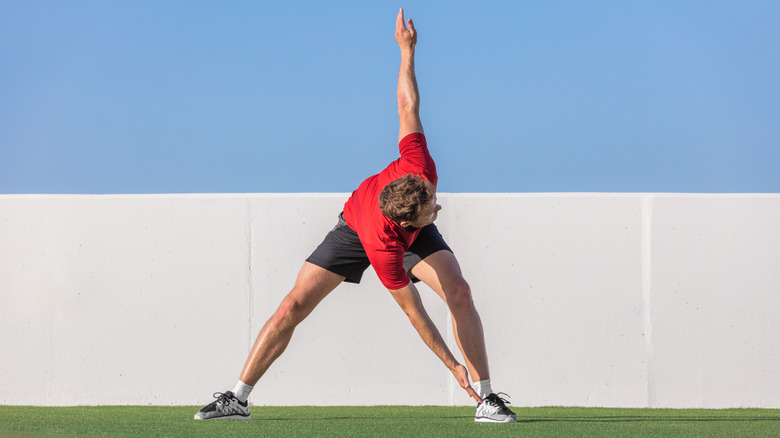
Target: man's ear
{"x":404,"y":224}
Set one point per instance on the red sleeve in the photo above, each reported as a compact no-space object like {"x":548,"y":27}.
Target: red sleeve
{"x":415,"y":158}
{"x":389,"y":266}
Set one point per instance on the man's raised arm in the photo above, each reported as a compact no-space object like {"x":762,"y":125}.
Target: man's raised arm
{"x":408,"y":95}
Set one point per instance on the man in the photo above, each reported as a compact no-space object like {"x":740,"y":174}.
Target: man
{"x":388,"y":223}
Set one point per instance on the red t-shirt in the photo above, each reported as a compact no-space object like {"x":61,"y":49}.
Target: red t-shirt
{"x":385,"y":241}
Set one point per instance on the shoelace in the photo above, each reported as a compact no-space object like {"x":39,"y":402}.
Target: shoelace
{"x":497,"y":400}
{"x":221,"y":397}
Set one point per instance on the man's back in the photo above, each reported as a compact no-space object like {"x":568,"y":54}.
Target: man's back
{"x":384,"y":240}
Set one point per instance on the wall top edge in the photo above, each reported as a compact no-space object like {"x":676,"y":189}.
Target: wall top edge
{"x":611,"y":195}
{"x":176,"y":196}
{"x":346,"y":195}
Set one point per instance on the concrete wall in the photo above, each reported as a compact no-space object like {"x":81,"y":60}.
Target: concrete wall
{"x":633,"y":300}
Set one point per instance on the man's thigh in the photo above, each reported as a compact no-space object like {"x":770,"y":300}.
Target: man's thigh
{"x":428,"y":242}
{"x":441,"y":272}
{"x":311,"y":287}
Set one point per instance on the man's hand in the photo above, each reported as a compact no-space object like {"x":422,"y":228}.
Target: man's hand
{"x":462,"y":376}
{"x":406,"y":38}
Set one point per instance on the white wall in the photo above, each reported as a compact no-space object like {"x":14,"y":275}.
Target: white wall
{"x":634,"y":300}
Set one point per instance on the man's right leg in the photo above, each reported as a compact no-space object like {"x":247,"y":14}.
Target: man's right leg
{"x":312,"y":285}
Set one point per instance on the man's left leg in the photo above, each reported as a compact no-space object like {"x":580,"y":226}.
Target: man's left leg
{"x":441,"y":272}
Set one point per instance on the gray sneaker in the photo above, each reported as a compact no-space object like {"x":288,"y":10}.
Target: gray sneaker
{"x":225,"y":407}
{"x":493,"y":410}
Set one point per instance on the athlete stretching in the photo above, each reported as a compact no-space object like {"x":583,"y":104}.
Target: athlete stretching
{"x":387,"y":223}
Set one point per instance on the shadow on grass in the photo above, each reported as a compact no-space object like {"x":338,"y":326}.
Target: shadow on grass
{"x":528,"y":420}
{"x":352,"y":418}
{"x":635,"y":419}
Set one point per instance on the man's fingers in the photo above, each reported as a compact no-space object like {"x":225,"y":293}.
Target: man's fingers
{"x":474,"y":394}
{"x":399,"y":21}
{"x":462,"y":375}
{"x":411,"y":24}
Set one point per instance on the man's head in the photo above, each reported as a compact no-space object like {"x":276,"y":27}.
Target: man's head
{"x":410,"y":201}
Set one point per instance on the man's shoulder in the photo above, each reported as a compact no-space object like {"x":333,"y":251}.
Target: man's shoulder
{"x":412,"y":139}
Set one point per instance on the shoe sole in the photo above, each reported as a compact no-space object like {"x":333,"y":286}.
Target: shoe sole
{"x":227,"y":417}
{"x":490,"y":420}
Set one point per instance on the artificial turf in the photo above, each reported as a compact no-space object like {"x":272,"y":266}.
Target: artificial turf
{"x":395,"y":421}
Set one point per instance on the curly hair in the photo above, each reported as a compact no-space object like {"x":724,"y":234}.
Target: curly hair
{"x":404,"y":198}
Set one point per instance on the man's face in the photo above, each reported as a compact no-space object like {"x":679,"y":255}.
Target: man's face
{"x":428,"y":215}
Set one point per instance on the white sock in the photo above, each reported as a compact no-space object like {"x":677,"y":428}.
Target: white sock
{"x":483,"y":388}
{"x":242,"y":390}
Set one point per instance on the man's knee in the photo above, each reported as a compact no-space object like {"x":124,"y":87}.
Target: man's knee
{"x":290,"y":312}
{"x":459,"y":295}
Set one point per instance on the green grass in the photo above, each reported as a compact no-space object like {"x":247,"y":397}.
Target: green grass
{"x":395,"y":421}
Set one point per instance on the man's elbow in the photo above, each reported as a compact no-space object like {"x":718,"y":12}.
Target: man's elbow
{"x":407,"y":105}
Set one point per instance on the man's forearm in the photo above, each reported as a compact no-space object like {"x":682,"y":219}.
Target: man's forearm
{"x":408,"y":94}
{"x":432,"y":338}
{"x":409,"y":300}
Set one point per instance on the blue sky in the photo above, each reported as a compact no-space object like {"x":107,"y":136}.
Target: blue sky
{"x":252,"y":96}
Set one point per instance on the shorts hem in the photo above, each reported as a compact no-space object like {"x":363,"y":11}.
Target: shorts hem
{"x":347,"y":278}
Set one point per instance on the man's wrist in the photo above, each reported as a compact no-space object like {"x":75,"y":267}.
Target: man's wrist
{"x":451,"y":363}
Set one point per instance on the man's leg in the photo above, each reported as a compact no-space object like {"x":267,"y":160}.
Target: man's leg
{"x":312,"y":285}
{"x":441,"y":272}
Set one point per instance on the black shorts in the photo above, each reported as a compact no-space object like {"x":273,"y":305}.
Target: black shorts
{"x":342,"y":253}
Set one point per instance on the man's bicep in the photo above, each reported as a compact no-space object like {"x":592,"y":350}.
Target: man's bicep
{"x":407,"y":297}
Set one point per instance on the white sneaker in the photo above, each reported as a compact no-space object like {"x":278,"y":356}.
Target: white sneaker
{"x":225,"y":407}
{"x":493,"y":410}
